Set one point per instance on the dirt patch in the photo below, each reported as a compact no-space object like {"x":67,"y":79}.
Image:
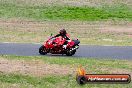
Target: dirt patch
{"x":50,"y":2}
{"x":66,"y":2}
{"x":118,"y":29}
{"x":35,"y":68}
{"x":29,"y":31}
{"x":38,"y":28}
{"x":116,"y":71}
{"x":30,"y":25}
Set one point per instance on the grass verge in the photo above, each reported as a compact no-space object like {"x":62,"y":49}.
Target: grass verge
{"x":66,"y":13}
{"x":16,"y":81}
{"x":67,"y":81}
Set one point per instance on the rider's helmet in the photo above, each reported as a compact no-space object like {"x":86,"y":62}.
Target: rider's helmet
{"x":62,"y":32}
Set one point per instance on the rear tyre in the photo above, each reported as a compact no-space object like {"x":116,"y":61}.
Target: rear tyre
{"x":70,"y":53}
{"x":42,"y":50}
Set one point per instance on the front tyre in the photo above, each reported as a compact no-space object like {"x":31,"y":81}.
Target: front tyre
{"x":42,"y":50}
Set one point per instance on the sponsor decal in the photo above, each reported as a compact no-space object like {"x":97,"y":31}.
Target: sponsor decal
{"x":83,"y":78}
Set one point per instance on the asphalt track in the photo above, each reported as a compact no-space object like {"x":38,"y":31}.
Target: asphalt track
{"x":110,"y":52}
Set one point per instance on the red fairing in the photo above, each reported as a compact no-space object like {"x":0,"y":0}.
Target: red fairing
{"x":70,"y":44}
{"x":48,"y":43}
{"x":52,"y":42}
{"x":59,"y":40}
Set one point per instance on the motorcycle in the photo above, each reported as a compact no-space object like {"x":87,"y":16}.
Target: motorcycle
{"x":55,"y":46}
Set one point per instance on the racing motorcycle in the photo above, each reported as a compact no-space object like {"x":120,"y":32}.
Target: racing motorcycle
{"x":55,"y":46}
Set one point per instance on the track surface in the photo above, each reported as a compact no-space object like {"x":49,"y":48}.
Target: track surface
{"x":113,"y":52}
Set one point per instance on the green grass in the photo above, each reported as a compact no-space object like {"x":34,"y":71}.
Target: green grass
{"x":91,"y":65}
{"x":51,"y":81}
{"x":66,"y":12}
{"x":34,"y":82}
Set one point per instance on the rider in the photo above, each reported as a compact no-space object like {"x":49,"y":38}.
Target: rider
{"x":64,"y":35}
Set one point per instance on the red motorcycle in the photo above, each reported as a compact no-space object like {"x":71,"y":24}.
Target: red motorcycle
{"x":55,"y":46}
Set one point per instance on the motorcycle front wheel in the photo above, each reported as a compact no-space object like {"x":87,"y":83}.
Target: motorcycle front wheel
{"x":42,"y":50}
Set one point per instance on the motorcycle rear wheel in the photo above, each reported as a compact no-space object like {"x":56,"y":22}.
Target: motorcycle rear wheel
{"x":42,"y":50}
{"x":70,"y":53}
